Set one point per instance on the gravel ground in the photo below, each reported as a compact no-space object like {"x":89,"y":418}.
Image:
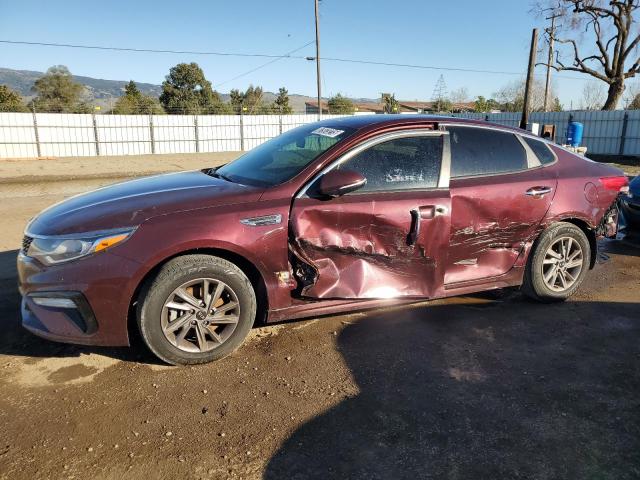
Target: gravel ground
{"x":483,"y":386}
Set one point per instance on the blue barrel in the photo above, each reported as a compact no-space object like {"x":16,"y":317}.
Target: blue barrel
{"x":574,"y":134}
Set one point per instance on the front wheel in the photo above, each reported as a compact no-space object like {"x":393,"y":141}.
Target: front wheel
{"x":558,"y":263}
{"x":197,"y":309}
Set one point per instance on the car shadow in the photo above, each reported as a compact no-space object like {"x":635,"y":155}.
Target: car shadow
{"x":475,"y":390}
{"x":628,"y":246}
{"x":17,"y":341}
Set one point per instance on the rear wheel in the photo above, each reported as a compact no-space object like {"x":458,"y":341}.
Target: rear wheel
{"x":197,"y":309}
{"x":558,"y":263}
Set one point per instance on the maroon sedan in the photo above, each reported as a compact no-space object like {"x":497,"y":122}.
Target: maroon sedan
{"x":339,"y":215}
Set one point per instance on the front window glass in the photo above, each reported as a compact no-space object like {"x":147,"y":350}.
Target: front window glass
{"x":283,"y":157}
{"x":401,"y":164}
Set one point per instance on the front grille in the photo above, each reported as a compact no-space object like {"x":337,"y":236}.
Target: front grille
{"x":26,"y":243}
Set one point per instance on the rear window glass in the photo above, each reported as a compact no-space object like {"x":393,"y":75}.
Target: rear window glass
{"x":482,"y":151}
{"x":542,"y":151}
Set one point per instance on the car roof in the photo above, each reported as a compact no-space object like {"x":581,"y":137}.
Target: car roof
{"x":388,"y":120}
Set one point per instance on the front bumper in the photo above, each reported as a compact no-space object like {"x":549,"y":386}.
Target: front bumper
{"x":630,"y":208}
{"x":98,"y":290}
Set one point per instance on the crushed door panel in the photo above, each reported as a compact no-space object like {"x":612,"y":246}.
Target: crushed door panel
{"x":361,"y":246}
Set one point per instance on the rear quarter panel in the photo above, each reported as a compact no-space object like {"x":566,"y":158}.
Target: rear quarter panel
{"x":579,"y":193}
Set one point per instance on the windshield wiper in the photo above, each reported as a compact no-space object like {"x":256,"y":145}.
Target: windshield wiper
{"x":212,"y":172}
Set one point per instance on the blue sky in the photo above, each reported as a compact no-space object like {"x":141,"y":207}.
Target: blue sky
{"x":491,"y":34}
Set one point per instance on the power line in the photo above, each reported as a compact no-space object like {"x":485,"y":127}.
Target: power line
{"x":286,"y":55}
{"x":143,"y":50}
{"x":264,"y":55}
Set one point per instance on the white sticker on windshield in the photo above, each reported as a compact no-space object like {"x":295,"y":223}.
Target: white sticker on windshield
{"x":327,"y":132}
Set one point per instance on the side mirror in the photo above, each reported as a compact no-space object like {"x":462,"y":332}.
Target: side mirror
{"x":339,"y":182}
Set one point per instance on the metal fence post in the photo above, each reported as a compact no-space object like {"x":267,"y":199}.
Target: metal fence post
{"x":153,"y":143}
{"x":195,"y":126}
{"x":35,"y":130}
{"x":623,"y":135}
{"x":95,"y":134}
{"x":241,"y":131}
{"x":280,"y":122}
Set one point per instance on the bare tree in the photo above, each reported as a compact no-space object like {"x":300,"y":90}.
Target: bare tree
{"x":593,"y":95}
{"x":511,"y":95}
{"x":613,"y":40}
{"x":632,"y":96}
{"x":459,"y":95}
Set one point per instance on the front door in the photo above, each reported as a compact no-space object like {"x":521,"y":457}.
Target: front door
{"x":499,"y":195}
{"x":389,"y":238}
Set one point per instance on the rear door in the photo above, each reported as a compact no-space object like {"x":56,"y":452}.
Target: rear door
{"x":500,"y":192}
{"x":389,"y":238}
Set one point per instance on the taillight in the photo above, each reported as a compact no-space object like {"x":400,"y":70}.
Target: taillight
{"x":617,"y":184}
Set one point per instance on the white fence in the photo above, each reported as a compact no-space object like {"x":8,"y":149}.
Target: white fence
{"x":24,"y":135}
{"x":27,"y":135}
{"x":607,"y":133}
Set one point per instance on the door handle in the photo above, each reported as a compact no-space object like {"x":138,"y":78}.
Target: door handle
{"x":538,"y":191}
{"x":425,"y":212}
{"x":414,"y":230}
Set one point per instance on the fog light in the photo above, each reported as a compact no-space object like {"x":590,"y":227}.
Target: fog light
{"x":53,"y":302}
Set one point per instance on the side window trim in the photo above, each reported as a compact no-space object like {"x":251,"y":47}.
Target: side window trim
{"x":532,"y":159}
{"x":547,"y":143}
{"x":445,"y":160}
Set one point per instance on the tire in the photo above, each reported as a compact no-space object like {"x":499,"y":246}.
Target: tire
{"x":179,"y":332}
{"x":539,"y":281}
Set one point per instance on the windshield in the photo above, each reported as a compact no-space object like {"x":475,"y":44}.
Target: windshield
{"x":283,"y":157}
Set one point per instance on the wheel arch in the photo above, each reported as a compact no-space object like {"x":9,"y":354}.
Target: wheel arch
{"x":248,"y":268}
{"x":589,"y":232}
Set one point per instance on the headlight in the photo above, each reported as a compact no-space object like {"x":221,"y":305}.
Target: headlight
{"x":57,"y":249}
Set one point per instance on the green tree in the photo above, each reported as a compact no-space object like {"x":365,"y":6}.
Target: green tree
{"x":187,"y":91}
{"x":389,"y":103}
{"x":253,"y":101}
{"x":11,"y":101}
{"x":56,"y":91}
{"x":250,"y":102}
{"x":281,"y":103}
{"x":556,"y":106}
{"x":133,"y":102}
{"x":131,"y":90}
{"x":485,"y":104}
{"x":442,"y":105}
{"x":341,"y":105}
{"x":236,"y":97}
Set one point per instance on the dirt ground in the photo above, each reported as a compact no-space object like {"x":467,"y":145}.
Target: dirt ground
{"x":484,"y":386}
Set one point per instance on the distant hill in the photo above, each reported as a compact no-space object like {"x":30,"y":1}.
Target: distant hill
{"x":97,"y":88}
{"x":100,"y":91}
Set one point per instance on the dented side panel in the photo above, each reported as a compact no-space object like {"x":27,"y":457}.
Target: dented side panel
{"x":359,"y":244}
{"x":492,"y":219}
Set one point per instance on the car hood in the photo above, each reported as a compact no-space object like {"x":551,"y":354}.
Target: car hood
{"x":130,"y":203}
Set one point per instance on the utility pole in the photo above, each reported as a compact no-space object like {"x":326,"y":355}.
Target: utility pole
{"x":547,"y":87}
{"x":529,"y":85}
{"x":318,"y":61}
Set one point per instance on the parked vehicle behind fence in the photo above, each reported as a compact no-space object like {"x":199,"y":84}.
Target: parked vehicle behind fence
{"x":631,"y":206}
{"x":344,"y":214}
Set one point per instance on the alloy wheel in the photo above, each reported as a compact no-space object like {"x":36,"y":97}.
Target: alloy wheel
{"x":562,"y":264}
{"x":200,"y":315}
